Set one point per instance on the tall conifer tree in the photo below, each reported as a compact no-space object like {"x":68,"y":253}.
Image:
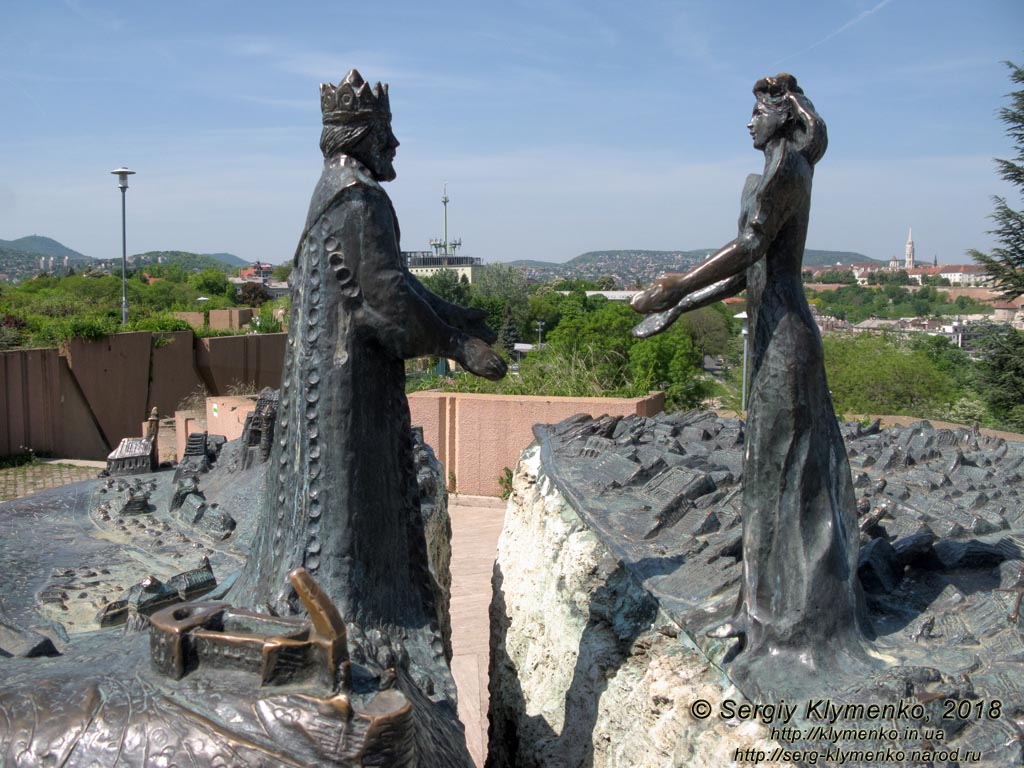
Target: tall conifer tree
{"x":1005,"y":262}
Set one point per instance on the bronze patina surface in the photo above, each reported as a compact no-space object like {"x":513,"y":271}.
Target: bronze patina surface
{"x":326,"y":640}
{"x":939,"y":543}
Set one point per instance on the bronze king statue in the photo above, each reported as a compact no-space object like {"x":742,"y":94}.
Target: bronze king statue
{"x":327,"y":649}
{"x":341,"y":497}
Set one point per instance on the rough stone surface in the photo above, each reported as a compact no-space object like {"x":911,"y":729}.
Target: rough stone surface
{"x":941,"y":526}
{"x":585,"y":669}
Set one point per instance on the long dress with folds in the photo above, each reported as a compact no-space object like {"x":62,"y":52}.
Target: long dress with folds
{"x":801,"y":599}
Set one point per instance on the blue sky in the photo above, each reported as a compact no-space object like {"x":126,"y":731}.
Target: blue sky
{"x":560,"y":127}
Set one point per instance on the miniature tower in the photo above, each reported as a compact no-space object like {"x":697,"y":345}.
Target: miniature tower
{"x":909,"y":258}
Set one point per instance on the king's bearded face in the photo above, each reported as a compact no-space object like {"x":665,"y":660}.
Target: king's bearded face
{"x":379,"y":154}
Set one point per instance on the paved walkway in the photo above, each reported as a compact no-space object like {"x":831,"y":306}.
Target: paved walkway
{"x":476,"y":525}
{"x":16,"y":482}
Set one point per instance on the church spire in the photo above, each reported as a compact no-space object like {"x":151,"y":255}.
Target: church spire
{"x":908,"y":262}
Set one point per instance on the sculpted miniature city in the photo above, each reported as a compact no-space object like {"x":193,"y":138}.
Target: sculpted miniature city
{"x":848,"y":589}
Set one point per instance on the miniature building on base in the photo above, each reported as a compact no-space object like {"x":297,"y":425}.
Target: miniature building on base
{"x":133,"y":456}
{"x":258,"y":432}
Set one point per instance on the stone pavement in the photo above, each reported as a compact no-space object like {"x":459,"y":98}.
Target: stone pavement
{"x":476,"y":525}
{"x":16,"y":482}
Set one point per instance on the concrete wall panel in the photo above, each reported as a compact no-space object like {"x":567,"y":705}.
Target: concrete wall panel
{"x":195,"y":319}
{"x":29,"y":401}
{"x":113,"y":374}
{"x":477,"y":436}
{"x":474,"y":436}
{"x":173,"y":375}
{"x":230,"y":319}
{"x":79,"y":403}
{"x":254,"y":360}
{"x":226,"y":415}
{"x":81,"y":435}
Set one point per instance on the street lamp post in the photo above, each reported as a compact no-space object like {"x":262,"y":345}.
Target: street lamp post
{"x":540,"y":333}
{"x":746,"y":332}
{"x":122,"y":174}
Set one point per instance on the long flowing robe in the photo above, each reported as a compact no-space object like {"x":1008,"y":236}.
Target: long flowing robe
{"x":341,"y":495}
{"x":800,"y":595}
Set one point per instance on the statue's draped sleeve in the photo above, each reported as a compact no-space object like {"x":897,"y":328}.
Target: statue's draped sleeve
{"x":383,"y":300}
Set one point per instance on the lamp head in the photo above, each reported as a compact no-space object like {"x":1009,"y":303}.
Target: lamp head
{"x":122,"y":174}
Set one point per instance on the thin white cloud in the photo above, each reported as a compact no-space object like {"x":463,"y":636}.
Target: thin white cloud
{"x":835,"y":33}
{"x":301,"y":105}
{"x":94,"y":16}
{"x":332,"y":66}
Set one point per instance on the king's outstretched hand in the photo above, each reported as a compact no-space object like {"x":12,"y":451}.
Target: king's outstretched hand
{"x":478,"y":358}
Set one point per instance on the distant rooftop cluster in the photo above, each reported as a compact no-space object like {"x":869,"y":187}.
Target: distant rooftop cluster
{"x":262,"y":274}
{"x":967,"y":275}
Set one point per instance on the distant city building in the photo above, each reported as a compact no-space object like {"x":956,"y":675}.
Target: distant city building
{"x":257,"y":273}
{"x":276,"y":288}
{"x":918,"y":274}
{"x":908,"y":255}
{"x":610,"y":295}
{"x":964,"y":274}
{"x":425,"y":263}
{"x":261,"y":274}
{"x":968,"y":275}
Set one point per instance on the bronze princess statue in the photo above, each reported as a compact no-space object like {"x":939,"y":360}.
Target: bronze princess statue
{"x":800,"y":601}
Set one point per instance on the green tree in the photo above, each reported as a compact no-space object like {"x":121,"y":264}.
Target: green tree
{"x":254,"y":294}
{"x":1000,"y":374}
{"x":670,"y":361}
{"x":544,"y":304}
{"x":1005,"y":263}
{"x":498,"y":286}
{"x":879,"y":374}
{"x":574,"y":283}
{"x":508,"y":334}
{"x":282,"y":272}
{"x":899,"y":277}
{"x":946,"y":356}
{"x":709,"y":328}
{"x":844,"y":276}
{"x":447,"y":284}
{"x":210,"y":282}
{"x":603,"y":333}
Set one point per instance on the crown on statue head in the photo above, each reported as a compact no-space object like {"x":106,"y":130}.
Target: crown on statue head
{"x":353,"y":100}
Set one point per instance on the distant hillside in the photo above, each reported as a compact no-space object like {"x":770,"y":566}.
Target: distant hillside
{"x":228,"y":258}
{"x":192,"y":262}
{"x":534,"y":264}
{"x":19,"y":259}
{"x":43,"y":246}
{"x":814,"y":258}
{"x":639,"y":267}
{"x":17,"y":263}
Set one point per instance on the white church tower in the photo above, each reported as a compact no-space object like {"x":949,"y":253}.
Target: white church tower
{"x":909,"y":258}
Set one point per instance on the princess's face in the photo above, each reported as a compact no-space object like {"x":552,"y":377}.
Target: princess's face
{"x":766,"y":123}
